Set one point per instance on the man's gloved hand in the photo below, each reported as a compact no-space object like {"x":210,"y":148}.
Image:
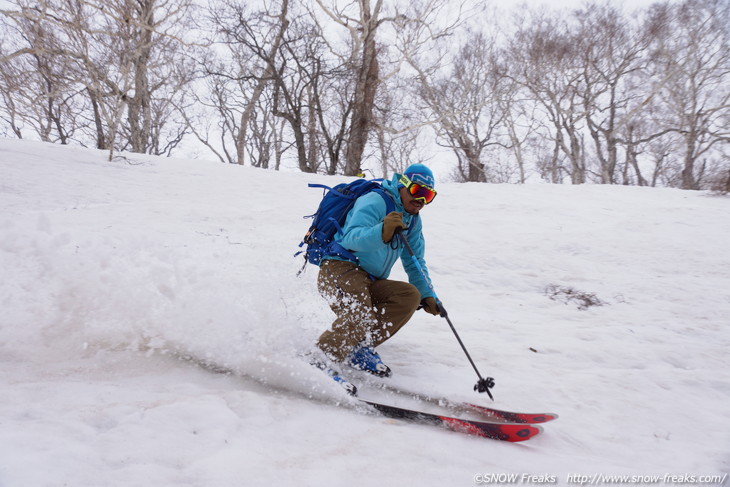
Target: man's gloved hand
{"x":392,"y":222}
{"x":431,"y":306}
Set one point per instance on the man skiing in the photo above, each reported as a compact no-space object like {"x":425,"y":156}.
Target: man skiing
{"x":370,"y":308}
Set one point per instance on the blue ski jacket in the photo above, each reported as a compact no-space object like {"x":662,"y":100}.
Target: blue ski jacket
{"x":362,"y":234}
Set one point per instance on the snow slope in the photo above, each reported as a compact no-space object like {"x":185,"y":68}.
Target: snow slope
{"x":111,"y":272}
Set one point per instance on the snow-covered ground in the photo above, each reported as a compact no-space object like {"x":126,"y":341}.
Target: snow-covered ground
{"x":113,"y":271}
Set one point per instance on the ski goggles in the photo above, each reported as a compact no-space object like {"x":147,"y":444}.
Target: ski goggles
{"x":418,"y":191}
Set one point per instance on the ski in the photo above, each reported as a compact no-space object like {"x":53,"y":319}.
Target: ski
{"x":504,"y":431}
{"x":514,"y":417}
{"x":511,"y":432}
{"x":333,"y":374}
{"x":348,"y":386}
{"x":489,"y":414}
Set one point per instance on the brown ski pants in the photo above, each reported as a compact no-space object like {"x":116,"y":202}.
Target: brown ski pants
{"x":369,"y":311}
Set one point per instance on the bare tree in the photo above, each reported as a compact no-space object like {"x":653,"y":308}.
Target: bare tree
{"x":36,"y":83}
{"x":371,"y":62}
{"x":589,"y":95}
{"x":610,"y":51}
{"x":464,"y":103}
{"x":692,"y":53}
{"x":118,"y":56}
{"x":254,"y":39}
{"x":332,"y":105}
{"x":399,"y":136}
{"x":362,"y":61}
{"x":520,"y":123}
{"x":277,"y":65}
{"x":544,"y":60}
{"x":148,"y":38}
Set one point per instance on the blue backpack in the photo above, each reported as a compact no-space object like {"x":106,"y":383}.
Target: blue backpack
{"x":330,"y":216}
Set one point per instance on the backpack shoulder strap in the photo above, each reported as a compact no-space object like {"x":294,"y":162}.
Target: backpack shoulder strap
{"x":389,"y":203}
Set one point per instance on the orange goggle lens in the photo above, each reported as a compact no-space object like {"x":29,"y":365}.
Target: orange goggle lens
{"x":419,"y":191}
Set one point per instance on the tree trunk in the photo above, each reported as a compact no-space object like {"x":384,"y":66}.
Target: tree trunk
{"x":269,"y":68}
{"x":138,"y":106}
{"x":689,"y":181}
{"x":365,"y":88}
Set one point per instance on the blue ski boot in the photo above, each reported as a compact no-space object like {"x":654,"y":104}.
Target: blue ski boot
{"x":367,"y":359}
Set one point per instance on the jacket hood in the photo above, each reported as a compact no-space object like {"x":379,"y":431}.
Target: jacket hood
{"x":391,"y":185}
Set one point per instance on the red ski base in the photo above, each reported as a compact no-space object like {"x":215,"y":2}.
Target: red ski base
{"x":511,"y":417}
{"x":490,"y":415}
{"x":512,"y":432}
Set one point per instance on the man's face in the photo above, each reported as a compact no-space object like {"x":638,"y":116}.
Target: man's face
{"x":410,"y":204}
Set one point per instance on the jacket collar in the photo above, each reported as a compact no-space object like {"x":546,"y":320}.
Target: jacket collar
{"x":391,"y":186}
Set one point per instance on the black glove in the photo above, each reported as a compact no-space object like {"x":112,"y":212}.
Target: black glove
{"x":430,"y":305}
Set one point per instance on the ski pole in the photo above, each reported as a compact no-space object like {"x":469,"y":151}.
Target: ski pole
{"x":484,"y":384}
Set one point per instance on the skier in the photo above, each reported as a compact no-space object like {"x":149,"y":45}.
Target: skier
{"x":370,"y":308}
